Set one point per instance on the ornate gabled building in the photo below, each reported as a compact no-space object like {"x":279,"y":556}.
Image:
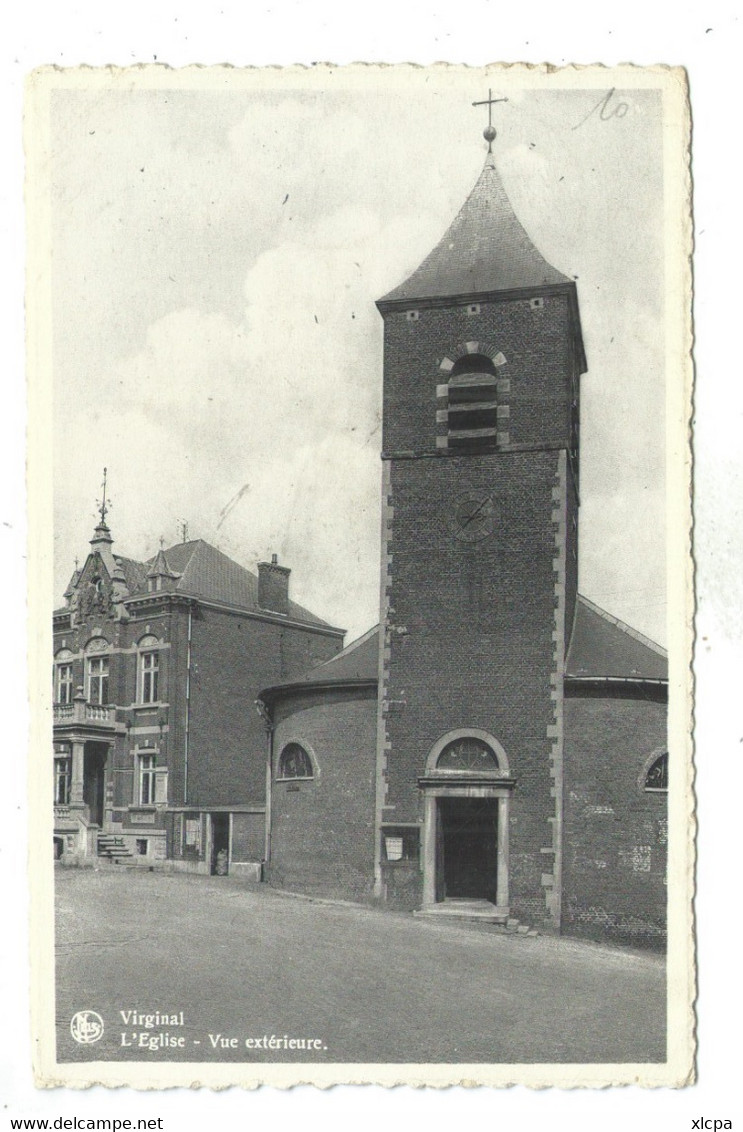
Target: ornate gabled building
{"x":503,"y":756}
{"x":159,"y":756}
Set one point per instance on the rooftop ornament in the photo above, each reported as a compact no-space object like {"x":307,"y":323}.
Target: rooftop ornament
{"x":490,"y":133}
{"x":104,"y":505}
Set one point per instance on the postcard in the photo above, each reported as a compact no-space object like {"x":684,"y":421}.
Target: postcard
{"x":360,"y":551}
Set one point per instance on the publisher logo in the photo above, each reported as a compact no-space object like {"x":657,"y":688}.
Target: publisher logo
{"x":86,"y":1027}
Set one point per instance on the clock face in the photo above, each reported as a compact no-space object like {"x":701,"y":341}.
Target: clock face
{"x":474,"y":516}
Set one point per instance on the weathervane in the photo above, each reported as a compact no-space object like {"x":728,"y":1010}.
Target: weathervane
{"x":104,"y":506}
{"x":489,"y":132}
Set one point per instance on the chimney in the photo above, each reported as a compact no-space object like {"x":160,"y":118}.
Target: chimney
{"x":273,"y":586}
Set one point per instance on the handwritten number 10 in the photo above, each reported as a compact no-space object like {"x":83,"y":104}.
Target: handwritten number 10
{"x":607,"y":108}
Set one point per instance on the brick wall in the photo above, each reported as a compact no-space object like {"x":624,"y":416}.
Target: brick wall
{"x":177,"y":665}
{"x":248,"y":836}
{"x":615,"y":832}
{"x":124,"y":691}
{"x":540,"y":362}
{"x":571,"y":552}
{"x":122,"y":637}
{"x":470,"y":638}
{"x":470,"y":633}
{"x":232,"y":659}
{"x":322,"y":838}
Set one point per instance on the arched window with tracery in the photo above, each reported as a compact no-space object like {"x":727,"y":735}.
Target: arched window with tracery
{"x":656,"y":777}
{"x":294,"y":762}
{"x":468,"y":755}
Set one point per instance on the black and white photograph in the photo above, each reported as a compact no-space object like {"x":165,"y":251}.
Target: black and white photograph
{"x":366,"y":575}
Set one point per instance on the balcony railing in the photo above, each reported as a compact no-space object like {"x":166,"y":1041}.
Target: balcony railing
{"x":68,"y":816}
{"x":79,"y":711}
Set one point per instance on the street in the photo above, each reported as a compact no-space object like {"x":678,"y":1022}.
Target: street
{"x":237,"y":973}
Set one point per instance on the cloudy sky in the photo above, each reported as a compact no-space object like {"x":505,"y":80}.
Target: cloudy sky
{"x":216,"y":255}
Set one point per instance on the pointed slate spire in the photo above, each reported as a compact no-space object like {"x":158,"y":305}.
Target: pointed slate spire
{"x":486,"y":249}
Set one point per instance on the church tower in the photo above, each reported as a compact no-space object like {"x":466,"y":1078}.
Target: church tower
{"x":483,"y":354}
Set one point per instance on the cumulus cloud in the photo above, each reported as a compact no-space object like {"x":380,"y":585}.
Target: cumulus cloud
{"x":216,"y":261}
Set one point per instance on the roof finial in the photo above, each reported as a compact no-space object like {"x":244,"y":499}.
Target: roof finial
{"x":162,"y":541}
{"x":104,"y":506}
{"x":489,"y":133}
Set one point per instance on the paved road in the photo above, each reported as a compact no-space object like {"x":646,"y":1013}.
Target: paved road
{"x":365,"y":985}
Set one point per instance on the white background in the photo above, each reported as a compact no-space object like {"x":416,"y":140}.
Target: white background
{"x":706,"y":39}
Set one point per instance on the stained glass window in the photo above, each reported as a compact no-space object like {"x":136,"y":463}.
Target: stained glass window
{"x":467,"y":754}
{"x":294,"y":762}
{"x":657,"y":777}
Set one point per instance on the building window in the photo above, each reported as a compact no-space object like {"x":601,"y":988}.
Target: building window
{"x":150,"y":669}
{"x":657,"y":776}
{"x":192,"y":839}
{"x":62,"y":776}
{"x":153,"y":782}
{"x":142,"y":845}
{"x":146,"y":780}
{"x":471,"y":413}
{"x":64,"y":684}
{"x":294,"y":762}
{"x":98,"y":680}
{"x":466,"y":755}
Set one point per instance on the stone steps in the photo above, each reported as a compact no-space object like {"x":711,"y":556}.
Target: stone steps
{"x":113,"y":848}
{"x":478,"y":911}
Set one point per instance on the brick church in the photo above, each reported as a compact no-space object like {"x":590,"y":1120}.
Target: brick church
{"x":495,"y":749}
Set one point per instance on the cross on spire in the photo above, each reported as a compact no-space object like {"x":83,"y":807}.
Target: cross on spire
{"x":489,"y":132}
{"x":104,"y":506}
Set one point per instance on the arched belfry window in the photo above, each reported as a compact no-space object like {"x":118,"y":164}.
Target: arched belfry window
{"x":473,"y":408}
{"x":473,"y":416}
{"x":472,"y":364}
{"x":656,"y":777}
{"x":294,"y":762}
{"x":468,"y":754}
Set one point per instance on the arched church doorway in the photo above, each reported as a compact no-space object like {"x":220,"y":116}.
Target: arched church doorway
{"x":467,"y":792}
